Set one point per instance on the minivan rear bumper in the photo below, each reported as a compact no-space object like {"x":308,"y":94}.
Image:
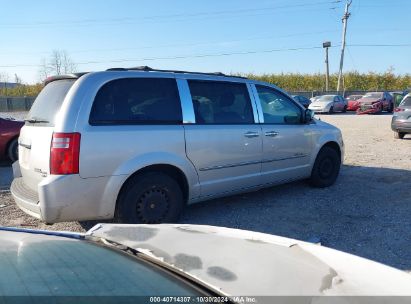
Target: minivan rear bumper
{"x":25,"y":198}
{"x":55,"y":201}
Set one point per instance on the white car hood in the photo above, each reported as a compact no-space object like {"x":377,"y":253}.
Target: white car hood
{"x":238,"y":262}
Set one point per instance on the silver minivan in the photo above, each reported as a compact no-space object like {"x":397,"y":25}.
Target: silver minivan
{"x":139,"y":144}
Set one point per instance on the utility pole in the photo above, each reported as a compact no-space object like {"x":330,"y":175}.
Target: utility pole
{"x":344,"y":20}
{"x":326,"y":45}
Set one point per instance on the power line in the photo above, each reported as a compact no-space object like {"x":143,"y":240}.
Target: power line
{"x":211,"y":55}
{"x":189,"y":44}
{"x":157,"y":17}
{"x":175,"y":57}
{"x":380,"y":45}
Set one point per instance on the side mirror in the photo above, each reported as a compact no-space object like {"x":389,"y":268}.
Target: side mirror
{"x":308,"y":115}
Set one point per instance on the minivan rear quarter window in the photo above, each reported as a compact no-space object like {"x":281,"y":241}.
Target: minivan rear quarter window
{"x":217,"y":102}
{"x":48,"y":103}
{"x":131,"y":101}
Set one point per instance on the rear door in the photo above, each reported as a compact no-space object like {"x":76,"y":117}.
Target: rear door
{"x":287,"y":141}
{"x":224,"y":143}
{"x":36,"y":134}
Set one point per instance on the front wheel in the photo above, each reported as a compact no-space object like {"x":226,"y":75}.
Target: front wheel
{"x":150,"y":198}
{"x":331,"y":110}
{"x":13,"y":150}
{"x":326,"y":168}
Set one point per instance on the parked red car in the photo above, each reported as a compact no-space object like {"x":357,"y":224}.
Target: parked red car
{"x":352,"y":102}
{"x":375,"y":102}
{"x":9,"y":133}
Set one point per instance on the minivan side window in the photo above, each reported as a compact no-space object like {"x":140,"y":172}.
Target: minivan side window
{"x":218,"y":102}
{"x":278,"y":108}
{"x":131,"y":101}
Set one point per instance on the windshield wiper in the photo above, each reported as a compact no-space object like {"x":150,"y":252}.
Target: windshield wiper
{"x":34,"y":120}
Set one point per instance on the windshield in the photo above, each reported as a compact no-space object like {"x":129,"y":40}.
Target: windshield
{"x":79,"y":268}
{"x":49,"y":101}
{"x":354,"y":97}
{"x":325,"y":98}
{"x":373,"y":95}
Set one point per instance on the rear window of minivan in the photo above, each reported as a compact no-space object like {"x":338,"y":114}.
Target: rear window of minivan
{"x":130,"y":101}
{"x":48,"y":103}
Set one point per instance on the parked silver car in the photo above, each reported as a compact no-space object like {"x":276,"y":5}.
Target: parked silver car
{"x":139,"y":144}
{"x":329,"y":104}
{"x":401,"y":120}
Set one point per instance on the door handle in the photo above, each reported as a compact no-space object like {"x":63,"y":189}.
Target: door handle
{"x":271,"y":133}
{"x":251,"y":134}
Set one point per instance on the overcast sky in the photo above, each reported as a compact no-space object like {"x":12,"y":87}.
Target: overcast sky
{"x":230,"y":36}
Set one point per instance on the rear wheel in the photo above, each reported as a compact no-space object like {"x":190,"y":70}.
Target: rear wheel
{"x":13,"y":150}
{"x":345,"y":109}
{"x":326,"y":168}
{"x":150,"y":198}
{"x":399,"y":135}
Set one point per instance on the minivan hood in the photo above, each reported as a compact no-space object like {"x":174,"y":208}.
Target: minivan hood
{"x":240,"y":262}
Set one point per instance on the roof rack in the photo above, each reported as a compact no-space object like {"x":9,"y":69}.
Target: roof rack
{"x":145,"y":68}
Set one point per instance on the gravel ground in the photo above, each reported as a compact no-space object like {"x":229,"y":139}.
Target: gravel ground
{"x":367,"y":212}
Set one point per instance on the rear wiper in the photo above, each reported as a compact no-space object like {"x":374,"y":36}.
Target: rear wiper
{"x":33,"y":120}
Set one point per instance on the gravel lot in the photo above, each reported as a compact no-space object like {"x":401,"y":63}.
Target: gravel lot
{"x":367,"y":212}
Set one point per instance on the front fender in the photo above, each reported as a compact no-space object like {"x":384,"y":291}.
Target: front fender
{"x":325,"y":134}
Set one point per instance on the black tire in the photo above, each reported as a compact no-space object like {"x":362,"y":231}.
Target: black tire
{"x":399,"y":135}
{"x":345,"y":109}
{"x":331,"y":110}
{"x":326,"y":168}
{"x":391,"y":108}
{"x":13,"y":150}
{"x":150,"y":198}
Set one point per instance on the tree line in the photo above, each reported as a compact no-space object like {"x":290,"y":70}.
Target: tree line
{"x":353,"y":81}
{"x":60,"y":62}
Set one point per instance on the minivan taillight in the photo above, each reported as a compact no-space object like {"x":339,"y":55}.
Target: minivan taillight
{"x":65,"y":153}
{"x":399,"y":110}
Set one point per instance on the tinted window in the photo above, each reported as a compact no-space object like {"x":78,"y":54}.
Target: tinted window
{"x":137,"y":101}
{"x":49,"y":101}
{"x":218,"y":102}
{"x":277,"y":108}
